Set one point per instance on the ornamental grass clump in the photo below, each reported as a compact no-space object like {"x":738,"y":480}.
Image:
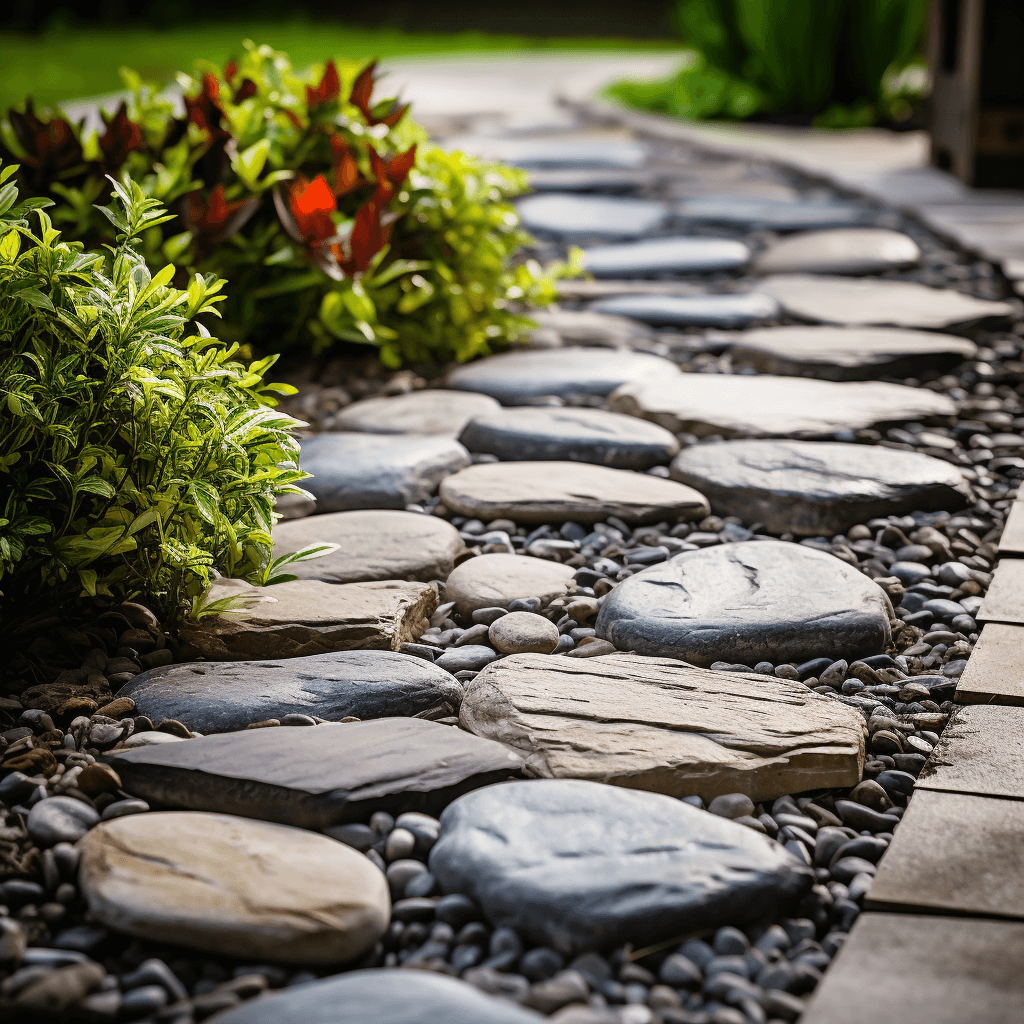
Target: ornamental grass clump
{"x":138,"y":458}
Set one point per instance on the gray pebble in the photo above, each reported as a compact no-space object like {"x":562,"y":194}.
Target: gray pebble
{"x":523,"y":632}
{"x":60,"y":819}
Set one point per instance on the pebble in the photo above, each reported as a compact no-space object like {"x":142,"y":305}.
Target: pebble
{"x":523,"y":632}
{"x":60,"y":819}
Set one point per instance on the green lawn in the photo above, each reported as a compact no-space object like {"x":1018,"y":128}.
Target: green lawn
{"x":69,"y":63}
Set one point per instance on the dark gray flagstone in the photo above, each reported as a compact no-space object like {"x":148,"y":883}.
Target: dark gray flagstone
{"x":666,"y":255}
{"x":573,"y":216}
{"x":776,"y":215}
{"x":739,"y":310}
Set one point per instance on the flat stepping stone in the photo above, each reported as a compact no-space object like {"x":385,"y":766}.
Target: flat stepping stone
{"x":924,"y":969}
{"x":573,"y":216}
{"x":585,"y":327}
{"x":955,"y":853}
{"x":546,"y":492}
{"x":748,"y":602}
{"x":772,"y":214}
{"x":844,"y":251}
{"x":817,"y":488}
{"x":372,"y":545}
{"x":1004,"y":601}
{"x":516,"y":378}
{"x":306,"y":617}
{"x":1012,"y":540}
{"x":571,"y":154}
{"x":580,"y":290}
{"x":435,"y":412}
{"x":664,"y":726}
{"x":576,"y":435}
{"x":596,"y":179}
{"x":995,"y":670}
{"x":577,"y":865}
{"x":384,"y":997}
{"x":495,"y":581}
{"x":212,"y":697}
{"x":726,"y":311}
{"x":316,"y":776}
{"x":761,"y":406}
{"x":848,"y":353}
{"x":355,"y":470}
{"x":839,"y":300}
{"x":234,"y":887}
{"x":666,"y":255}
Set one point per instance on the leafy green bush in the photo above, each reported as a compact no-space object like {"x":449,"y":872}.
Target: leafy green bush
{"x":331,"y":214}
{"x":136,"y":455}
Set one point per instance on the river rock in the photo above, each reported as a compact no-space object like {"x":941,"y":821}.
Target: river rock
{"x":666,"y":255}
{"x":727,"y":311}
{"x":545,"y":492}
{"x":571,"y":216}
{"x":381,"y":544}
{"x":576,"y":435}
{"x":317,"y":776}
{"x":849,"y":251}
{"x":665,"y":726}
{"x":495,"y":581}
{"x":818,"y":488}
{"x":60,"y":819}
{"x":757,"y":214}
{"x":577,"y":865}
{"x":748,"y":602}
{"x":234,"y":887}
{"x":520,"y":632}
{"x":436,"y":412}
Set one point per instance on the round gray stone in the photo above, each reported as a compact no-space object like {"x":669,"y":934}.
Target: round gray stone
{"x":772,"y":214}
{"x":692,"y":310}
{"x":435,"y":412}
{"x":60,"y":819}
{"x":495,"y":581}
{"x":523,"y":633}
{"x":666,"y":255}
{"x":844,"y":251}
{"x":572,"y":216}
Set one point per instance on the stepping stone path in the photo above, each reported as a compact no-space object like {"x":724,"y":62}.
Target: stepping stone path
{"x":438,"y":413}
{"x":495,"y":581}
{"x":590,"y":216}
{"x":848,"y":353}
{"x":817,"y":488}
{"x":577,"y":865}
{"x":692,"y":310}
{"x":748,"y":602}
{"x":666,"y":255}
{"x":225,"y":696}
{"x":849,"y":251}
{"x":768,"y":214}
{"x":664,"y":726}
{"x":577,"y":435}
{"x":541,"y":492}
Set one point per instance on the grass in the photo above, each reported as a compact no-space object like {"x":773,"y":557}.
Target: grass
{"x":63,"y":64}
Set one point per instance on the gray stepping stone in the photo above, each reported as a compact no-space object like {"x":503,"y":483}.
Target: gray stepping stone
{"x":845,"y":251}
{"x":378,"y":544}
{"x":1012,"y":540}
{"x":580,"y":290}
{"x":571,"y":154}
{"x":495,"y":581}
{"x":575,"y":435}
{"x":955,"y":853}
{"x":665,"y":726}
{"x":748,"y":602}
{"x":775,"y":215}
{"x":666,"y":255}
{"x":817,"y":488}
{"x":547,"y":492}
{"x":573,"y":216}
{"x":316,"y":776}
{"x":839,"y":300}
{"x":354,"y":470}
{"x":435,"y":412}
{"x":585,"y":327}
{"x":995,"y":670}
{"x":595,"y":179}
{"x":727,"y":311}
{"x":762,"y":406}
{"x":848,"y":353}
{"x":212,"y":697}
{"x":577,"y":865}
{"x":1004,"y":601}
{"x":924,"y":969}
{"x":516,"y":378}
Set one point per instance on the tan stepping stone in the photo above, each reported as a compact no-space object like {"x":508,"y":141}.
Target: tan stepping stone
{"x":234,"y":887}
{"x":544,"y":492}
{"x":995,"y":670}
{"x":435,"y":412}
{"x":924,"y":970}
{"x":1012,"y":541}
{"x":842,"y":251}
{"x":304,"y":617}
{"x":495,"y":581}
{"x":955,"y":853}
{"x":666,"y":726}
{"x":379,"y":544}
{"x":1004,"y":601}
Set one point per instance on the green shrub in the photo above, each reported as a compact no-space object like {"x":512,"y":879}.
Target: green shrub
{"x":331,"y":214}
{"x":137,"y":456}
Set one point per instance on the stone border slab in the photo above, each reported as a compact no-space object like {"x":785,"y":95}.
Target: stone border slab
{"x":995,"y":670}
{"x":1004,"y":601}
{"x":1012,"y":540}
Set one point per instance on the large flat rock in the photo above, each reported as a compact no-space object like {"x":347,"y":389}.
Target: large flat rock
{"x":382,"y":544}
{"x":436,"y":412}
{"x":545,"y":492}
{"x":817,"y":488}
{"x":759,"y":214}
{"x":842,"y":251}
{"x":760,"y":406}
{"x":748,"y":602}
{"x":665,"y":726}
{"x":213,"y":697}
{"x":732,"y":311}
{"x":1004,"y":601}
{"x":358,"y":470}
{"x":318,"y":775}
{"x":995,"y":671}
{"x":666,"y":255}
{"x":1012,"y":540}
{"x":572,"y":216}
{"x":495,"y":581}
{"x":577,"y":865}
{"x":234,"y":887}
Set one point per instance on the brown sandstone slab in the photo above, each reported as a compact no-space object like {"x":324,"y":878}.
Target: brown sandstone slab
{"x":1012,"y":540}
{"x":995,"y":671}
{"x":1004,"y":601}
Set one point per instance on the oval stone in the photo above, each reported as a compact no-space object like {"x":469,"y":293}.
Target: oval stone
{"x":495,"y":581}
{"x":435,"y":412}
{"x":727,"y":311}
{"x":575,"y":216}
{"x":666,"y":255}
{"x":843,"y":251}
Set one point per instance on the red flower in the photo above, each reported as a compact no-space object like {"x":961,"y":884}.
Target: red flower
{"x":362,"y":89}
{"x":328,"y":89}
{"x":120,"y":138}
{"x":311,"y":204}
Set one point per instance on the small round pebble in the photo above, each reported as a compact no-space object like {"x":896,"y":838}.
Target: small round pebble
{"x":523,"y":633}
{"x":60,"y":819}
{"x":732,"y":805}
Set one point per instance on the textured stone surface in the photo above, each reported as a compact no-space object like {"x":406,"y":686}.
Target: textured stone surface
{"x":817,"y":488}
{"x":774,"y":215}
{"x":1012,"y":540}
{"x":844,"y":251}
{"x":223,"y":696}
{"x":319,"y":775}
{"x":666,"y":255}
{"x":543,"y":492}
{"x":521,"y":632}
{"x":577,"y":435}
{"x":495,"y":581}
{"x":762,"y":406}
{"x":1004,"y":601}
{"x":381,"y":544}
{"x":304,"y":617}
{"x":587,"y":216}
{"x":577,"y":865}
{"x":663,"y":726}
{"x":995,"y":670}
{"x":234,"y":887}
{"x":748,"y":602}
{"x":848,"y":353}
{"x":437,"y":412}
{"x":354,"y":470}
{"x":692,"y":310}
